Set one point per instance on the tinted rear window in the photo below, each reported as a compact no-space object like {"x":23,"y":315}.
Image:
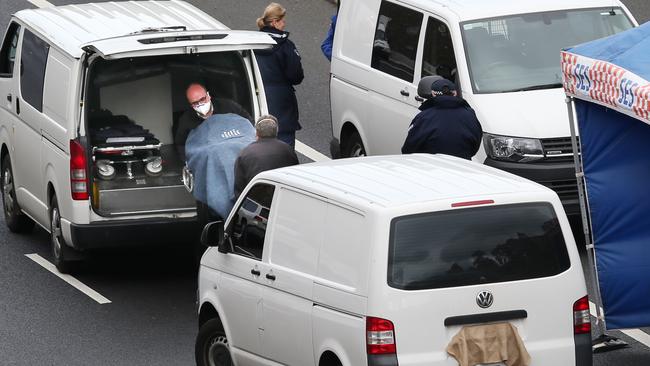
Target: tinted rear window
{"x":476,"y":246}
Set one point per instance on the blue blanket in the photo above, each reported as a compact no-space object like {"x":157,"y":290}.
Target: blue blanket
{"x":211,"y":150}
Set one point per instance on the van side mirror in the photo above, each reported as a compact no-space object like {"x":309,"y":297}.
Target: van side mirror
{"x":212,"y":234}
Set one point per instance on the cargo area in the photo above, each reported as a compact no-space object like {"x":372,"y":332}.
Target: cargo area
{"x":132,"y":110}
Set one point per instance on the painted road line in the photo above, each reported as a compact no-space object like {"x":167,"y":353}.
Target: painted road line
{"x":41,"y":3}
{"x":310,"y":152}
{"x":69,"y":279}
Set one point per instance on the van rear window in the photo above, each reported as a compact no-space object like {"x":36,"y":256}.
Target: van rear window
{"x":476,"y":246}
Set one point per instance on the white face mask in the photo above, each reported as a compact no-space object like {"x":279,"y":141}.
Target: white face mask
{"x":203,"y":109}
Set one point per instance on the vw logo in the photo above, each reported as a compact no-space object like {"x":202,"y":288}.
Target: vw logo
{"x":484,"y":299}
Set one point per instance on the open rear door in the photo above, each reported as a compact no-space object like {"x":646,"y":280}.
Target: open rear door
{"x":177,"y":42}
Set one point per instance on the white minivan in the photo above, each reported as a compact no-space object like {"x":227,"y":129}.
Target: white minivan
{"x":503,"y":55}
{"x":382,"y":260}
{"x":92,"y":95}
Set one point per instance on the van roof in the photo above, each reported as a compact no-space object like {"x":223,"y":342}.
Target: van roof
{"x":395,"y":180}
{"x":72,"y":26}
{"x":479,"y":9}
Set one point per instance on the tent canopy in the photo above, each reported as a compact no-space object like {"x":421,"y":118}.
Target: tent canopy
{"x":609,"y":79}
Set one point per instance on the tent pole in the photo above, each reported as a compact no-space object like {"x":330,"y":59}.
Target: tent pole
{"x":602,"y":342}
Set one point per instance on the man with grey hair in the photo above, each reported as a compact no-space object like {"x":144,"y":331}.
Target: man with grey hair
{"x":264,"y":154}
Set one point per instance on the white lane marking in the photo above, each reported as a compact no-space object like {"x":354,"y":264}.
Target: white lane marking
{"x":310,"y":152}
{"x":69,"y":279}
{"x":637,"y":334}
{"x":41,"y":3}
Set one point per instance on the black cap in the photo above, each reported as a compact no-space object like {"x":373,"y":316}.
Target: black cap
{"x":443,"y":87}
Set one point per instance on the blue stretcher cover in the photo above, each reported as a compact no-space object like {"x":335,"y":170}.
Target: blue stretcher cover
{"x":211,"y":150}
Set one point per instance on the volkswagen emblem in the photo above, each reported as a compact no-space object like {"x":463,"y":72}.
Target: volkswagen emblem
{"x":484,"y":299}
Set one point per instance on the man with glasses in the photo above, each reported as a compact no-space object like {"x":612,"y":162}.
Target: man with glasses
{"x":203,"y":107}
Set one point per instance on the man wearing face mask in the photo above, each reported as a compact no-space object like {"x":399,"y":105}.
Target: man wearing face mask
{"x":203,"y":106}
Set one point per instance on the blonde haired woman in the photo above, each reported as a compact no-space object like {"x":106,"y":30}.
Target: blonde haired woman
{"x":281,"y":69}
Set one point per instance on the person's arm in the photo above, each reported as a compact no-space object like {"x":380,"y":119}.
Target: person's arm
{"x":292,"y":64}
{"x":328,"y":42}
{"x":230,"y":106}
{"x":412,"y":138}
{"x":240,"y":177}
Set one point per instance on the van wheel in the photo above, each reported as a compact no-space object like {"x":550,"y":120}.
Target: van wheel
{"x":353,"y":146}
{"x":16,"y":221}
{"x":61,"y":252}
{"x":212,"y":347}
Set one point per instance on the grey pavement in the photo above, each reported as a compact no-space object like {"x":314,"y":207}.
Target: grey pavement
{"x":151,"y":320}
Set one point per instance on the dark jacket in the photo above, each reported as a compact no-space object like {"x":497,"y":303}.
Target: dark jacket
{"x":446,"y":125}
{"x":328,"y":42}
{"x":189,"y":120}
{"x":263,"y":154}
{"x":281,"y":69}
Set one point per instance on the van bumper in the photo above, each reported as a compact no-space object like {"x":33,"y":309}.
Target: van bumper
{"x":560,"y":177}
{"x":122,"y":233}
{"x":584,"y":352}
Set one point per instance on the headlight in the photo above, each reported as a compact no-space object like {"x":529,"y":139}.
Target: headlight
{"x":513,"y":149}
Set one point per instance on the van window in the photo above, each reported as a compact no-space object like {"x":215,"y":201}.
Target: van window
{"x":396,"y":40}
{"x":8,"y":52}
{"x":298,"y":231}
{"x":518,"y":53}
{"x":32,"y":74}
{"x":57,"y":87}
{"x":476,"y":246}
{"x":247,"y":229}
{"x":438,"y":57}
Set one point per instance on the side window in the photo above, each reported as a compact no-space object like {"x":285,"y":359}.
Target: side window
{"x":396,"y":40}
{"x":32,"y":74}
{"x":247,"y":228}
{"x":438,"y":57}
{"x":8,"y":52}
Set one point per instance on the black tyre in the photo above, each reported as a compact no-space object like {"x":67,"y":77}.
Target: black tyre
{"x":61,"y":253}
{"x":212,"y":347}
{"x":353,"y":146}
{"x":15,"y":219}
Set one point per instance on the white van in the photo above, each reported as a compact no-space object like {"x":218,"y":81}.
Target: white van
{"x":503,"y":55}
{"x":91,"y":97}
{"x":383,"y":260}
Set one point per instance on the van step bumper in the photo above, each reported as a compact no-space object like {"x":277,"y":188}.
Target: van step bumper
{"x":124,"y":233}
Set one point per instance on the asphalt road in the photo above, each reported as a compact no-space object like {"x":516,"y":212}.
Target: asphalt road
{"x":151,"y":318}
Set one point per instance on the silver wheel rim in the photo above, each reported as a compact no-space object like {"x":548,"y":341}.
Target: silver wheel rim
{"x":219,"y":352}
{"x":56,"y":232}
{"x":7,"y":191}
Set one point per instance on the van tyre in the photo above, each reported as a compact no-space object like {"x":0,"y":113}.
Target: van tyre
{"x":212,"y":347}
{"x":15,"y":219}
{"x":61,"y":252}
{"x":353,"y":146}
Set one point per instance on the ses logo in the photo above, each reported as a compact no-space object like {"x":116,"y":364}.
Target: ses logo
{"x":583,"y":82}
{"x":626,"y":90}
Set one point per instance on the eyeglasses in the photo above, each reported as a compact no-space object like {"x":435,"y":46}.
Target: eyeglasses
{"x":203,"y":100}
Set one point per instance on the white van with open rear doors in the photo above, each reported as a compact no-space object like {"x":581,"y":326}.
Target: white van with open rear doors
{"x":91,"y":98}
{"x":389,"y":260}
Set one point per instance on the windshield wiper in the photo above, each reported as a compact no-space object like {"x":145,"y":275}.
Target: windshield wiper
{"x":537,"y":87}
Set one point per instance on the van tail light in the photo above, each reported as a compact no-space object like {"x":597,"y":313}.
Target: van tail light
{"x":380,"y":336}
{"x":78,"y":176}
{"x":581,"y":316}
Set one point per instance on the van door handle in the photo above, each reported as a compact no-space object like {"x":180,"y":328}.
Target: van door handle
{"x":255,"y":272}
{"x":405,"y":92}
{"x":419,"y":98}
{"x":9,"y":98}
{"x":17,"y":106}
{"x":270,"y":277}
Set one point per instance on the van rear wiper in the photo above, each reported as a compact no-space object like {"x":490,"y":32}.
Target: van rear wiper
{"x":162,"y":29}
{"x":536,"y":87}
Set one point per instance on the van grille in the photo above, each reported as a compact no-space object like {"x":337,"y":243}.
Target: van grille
{"x":565,"y":189}
{"x":558,"y":149}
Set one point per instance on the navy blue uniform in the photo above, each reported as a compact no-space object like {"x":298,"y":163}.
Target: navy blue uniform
{"x":446,"y":125}
{"x":281,"y":69}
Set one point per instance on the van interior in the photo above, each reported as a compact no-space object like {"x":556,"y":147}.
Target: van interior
{"x":133,"y":106}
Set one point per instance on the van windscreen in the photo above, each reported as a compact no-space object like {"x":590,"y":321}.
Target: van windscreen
{"x":522,"y":52}
{"x":476,"y":246}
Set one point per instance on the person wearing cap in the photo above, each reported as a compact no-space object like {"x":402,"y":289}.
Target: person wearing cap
{"x":264,"y":154}
{"x":445,"y":125}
